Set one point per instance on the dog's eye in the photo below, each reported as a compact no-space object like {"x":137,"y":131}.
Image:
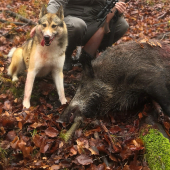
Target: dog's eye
{"x":44,"y":25}
{"x":53,"y":26}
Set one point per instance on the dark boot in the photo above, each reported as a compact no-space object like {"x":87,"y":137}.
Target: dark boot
{"x":67,"y":64}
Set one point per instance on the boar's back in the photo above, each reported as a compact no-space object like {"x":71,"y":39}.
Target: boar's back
{"x":128,"y":63}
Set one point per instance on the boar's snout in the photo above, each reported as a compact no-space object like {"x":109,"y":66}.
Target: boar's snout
{"x":69,"y":114}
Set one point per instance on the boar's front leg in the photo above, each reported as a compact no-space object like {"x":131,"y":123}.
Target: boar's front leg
{"x":161,"y":94}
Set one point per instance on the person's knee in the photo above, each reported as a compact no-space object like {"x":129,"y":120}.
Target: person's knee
{"x":76,"y":30}
{"x":80,"y":27}
{"x":125,"y":26}
{"x":75,"y":26}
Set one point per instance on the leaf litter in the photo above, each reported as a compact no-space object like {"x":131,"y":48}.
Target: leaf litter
{"x":31,"y":138}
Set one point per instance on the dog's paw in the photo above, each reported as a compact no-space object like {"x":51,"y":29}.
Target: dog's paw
{"x":14,"y":78}
{"x":26,"y":104}
{"x":63,"y":100}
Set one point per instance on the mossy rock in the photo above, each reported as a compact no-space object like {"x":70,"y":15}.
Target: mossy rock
{"x":157,"y":149}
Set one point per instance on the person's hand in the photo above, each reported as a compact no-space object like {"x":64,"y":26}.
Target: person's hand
{"x":121,"y":7}
{"x":32,"y":31}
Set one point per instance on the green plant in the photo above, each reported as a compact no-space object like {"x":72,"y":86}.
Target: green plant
{"x":34,"y":132}
{"x":3,"y":153}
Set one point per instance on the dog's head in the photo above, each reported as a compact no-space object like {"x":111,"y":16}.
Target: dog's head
{"x":52,"y":25}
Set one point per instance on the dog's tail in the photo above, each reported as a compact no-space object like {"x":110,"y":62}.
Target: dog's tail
{"x":11,"y":52}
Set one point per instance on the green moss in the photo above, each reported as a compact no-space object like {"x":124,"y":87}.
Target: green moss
{"x":17,"y":92}
{"x":157,"y":150}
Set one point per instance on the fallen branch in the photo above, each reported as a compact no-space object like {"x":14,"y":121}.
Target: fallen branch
{"x":16,"y":23}
{"x":21,"y":18}
{"x":164,"y":15}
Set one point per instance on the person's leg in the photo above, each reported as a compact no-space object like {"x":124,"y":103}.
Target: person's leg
{"x":92,"y":27}
{"x":76,"y":30}
{"x":121,"y":26}
{"x":118,"y":29}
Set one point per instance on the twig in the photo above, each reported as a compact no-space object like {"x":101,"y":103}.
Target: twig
{"x":6,"y":34}
{"x":107,"y":131}
{"x":161,"y":23}
{"x":106,"y":162}
{"x":164,"y":15}
{"x":165,"y":35}
{"x":21,"y":18}
{"x":100,"y":158}
{"x":16,"y":23}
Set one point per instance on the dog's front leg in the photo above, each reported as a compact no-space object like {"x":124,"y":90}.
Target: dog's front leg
{"x":58,"y":79}
{"x":28,"y":88}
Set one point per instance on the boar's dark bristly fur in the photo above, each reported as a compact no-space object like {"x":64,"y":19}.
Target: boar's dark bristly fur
{"x":123,"y":74}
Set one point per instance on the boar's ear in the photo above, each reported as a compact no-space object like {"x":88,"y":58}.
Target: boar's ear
{"x":60,"y":13}
{"x":85,"y":59}
{"x":43,"y":11}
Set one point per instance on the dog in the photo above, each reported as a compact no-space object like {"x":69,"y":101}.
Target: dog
{"x":42,"y":54}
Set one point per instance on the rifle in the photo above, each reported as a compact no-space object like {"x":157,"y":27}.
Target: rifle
{"x":101,"y":16}
{"x":90,"y":48}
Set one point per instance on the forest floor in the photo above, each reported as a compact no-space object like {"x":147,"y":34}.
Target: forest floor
{"x":32,"y":139}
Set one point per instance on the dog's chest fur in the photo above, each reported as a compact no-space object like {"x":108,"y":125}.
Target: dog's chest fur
{"x":47,"y":58}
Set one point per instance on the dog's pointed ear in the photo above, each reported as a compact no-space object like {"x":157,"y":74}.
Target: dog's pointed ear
{"x":43,"y":11}
{"x":60,"y":13}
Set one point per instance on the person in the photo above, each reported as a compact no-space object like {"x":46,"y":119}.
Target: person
{"x":80,"y":18}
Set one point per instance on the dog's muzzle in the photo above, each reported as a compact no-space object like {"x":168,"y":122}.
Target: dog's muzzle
{"x":47,"y":40}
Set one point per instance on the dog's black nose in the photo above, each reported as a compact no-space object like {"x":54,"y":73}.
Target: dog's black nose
{"x":46,"y":37}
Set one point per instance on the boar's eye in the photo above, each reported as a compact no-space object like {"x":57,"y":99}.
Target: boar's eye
{"x":44,"y":25}
{"x":53,"y":26}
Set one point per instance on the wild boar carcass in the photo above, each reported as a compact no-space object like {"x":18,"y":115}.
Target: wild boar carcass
{"x":123,"y":74}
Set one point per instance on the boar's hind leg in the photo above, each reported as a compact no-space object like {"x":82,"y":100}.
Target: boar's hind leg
{"x":161,"y":95}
